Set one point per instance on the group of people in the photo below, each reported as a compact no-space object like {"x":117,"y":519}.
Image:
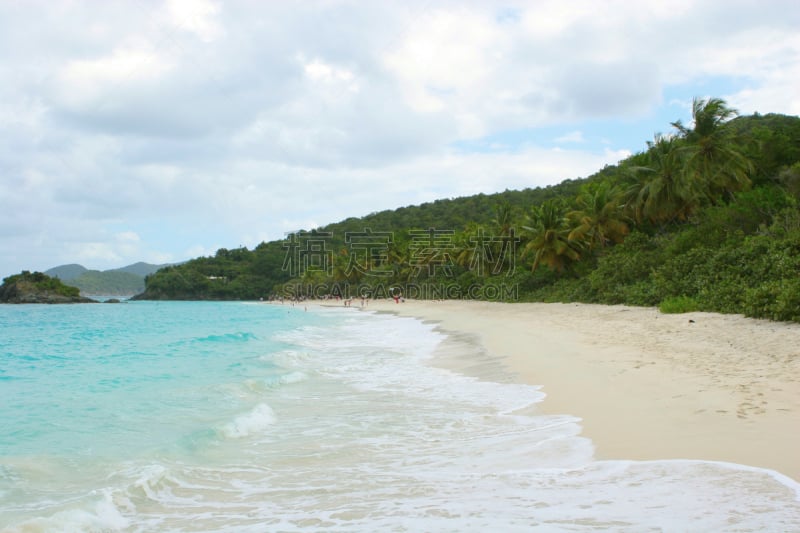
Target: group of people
{"x":348,"y":302}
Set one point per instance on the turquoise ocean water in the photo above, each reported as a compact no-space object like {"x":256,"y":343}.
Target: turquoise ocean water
{"x":200,"y":416}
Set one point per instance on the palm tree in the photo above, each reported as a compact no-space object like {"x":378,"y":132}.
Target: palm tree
{"x":548,"y":234}
{"x":504,"y":245}
{"x":708,"y":116}
{"x":399,"y":257}
{"x":470,"y":247}
{"x":712,"y":156}
{"x":663,"y":191}
{"x":599,"y":219}
{"x":503,"y":220}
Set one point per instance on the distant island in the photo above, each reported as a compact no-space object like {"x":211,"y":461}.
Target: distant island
{"x":37,"y":288}
{"x":118,"y":282}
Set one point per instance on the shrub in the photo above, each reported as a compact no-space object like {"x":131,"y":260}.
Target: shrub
{"x":775,"y":300}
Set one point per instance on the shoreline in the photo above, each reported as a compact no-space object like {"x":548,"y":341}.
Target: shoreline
{"x":647,"y":386}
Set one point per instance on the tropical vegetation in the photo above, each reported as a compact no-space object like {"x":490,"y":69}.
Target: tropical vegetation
{"x":36,"y":287}
{"x":704,"y":218}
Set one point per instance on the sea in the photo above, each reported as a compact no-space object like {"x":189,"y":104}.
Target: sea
{"x":257,"y":417}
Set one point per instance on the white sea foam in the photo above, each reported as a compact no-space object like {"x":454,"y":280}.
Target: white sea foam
{"x":287,"y":357}
{"x":390,"y":353}
{"x":97,"y":516}
{"x":255,"y":421}
{"x":286,"y":379}
{"x":150,"y":480}
{"x":265,"y":384}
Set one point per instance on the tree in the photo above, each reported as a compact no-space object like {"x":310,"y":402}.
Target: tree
{"x":548,"y":234}
{"x":503,"y":218}
{"x":712,"y":155}
{"x":465,"y":245}
{"x":662,"y":191}
{"x":600,"y":218}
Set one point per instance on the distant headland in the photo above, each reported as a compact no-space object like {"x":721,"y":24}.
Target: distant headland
{"x":74,"y":283}
{"x":119,"y":282}
{"x":38,"y":288}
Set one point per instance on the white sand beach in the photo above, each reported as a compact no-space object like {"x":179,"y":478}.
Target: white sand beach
{"x":647,"y":385}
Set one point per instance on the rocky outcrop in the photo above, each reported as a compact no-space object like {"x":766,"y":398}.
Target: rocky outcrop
{"x":27,"y":291}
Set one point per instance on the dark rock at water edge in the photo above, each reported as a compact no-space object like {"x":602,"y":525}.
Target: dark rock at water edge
{"x":16,"y":296}
{"x":38,"y":288}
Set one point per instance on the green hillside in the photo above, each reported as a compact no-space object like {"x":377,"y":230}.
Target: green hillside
{"x":125,"y":281}
{"x":66,"y":272}
{"x":139,"y":269}
{"x":705,"y":217}
{"x":108,"y":283}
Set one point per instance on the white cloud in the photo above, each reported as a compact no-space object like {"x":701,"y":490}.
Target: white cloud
{"x":121,"y":65}
{"x":776,"y":87}
{"x":319,"y":71}
{"x":446,"y":60}
{"x":195,"y":16}
{"x":571,"y":137}
{"x":550,"y":19}
{"x":94,"y":252}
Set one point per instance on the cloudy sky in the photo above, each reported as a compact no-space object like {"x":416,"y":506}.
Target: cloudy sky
{"x":159,"y":131}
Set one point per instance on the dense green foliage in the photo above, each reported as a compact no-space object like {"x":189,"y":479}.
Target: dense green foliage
{"x":705,"y":218}
{"x":40,"y":282}
{"x":238,"y":274}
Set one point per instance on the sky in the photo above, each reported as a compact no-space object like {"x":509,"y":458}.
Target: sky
{"x":159,"y":131}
